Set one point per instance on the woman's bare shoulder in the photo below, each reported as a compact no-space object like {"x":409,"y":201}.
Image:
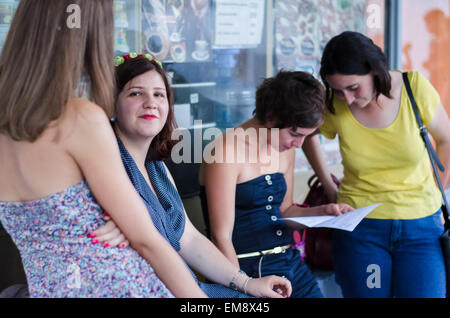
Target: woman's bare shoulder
{"x":85,"y":123}
{"x":82,"y":116}
{"x":85,"y":109}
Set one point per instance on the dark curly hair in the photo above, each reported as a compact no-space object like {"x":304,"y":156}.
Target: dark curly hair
{"x":291,"y":99}
{"x":352,"y":53}
{"x":162,"y":144}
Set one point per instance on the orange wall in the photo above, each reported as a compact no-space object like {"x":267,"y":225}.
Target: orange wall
{"x":426,"y":42}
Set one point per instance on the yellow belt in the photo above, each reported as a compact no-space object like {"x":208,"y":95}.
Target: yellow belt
{"x":275,"y":250}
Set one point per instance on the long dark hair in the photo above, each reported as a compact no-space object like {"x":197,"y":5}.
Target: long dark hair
{"x":162,"y":144}
{"x":352,"y":53}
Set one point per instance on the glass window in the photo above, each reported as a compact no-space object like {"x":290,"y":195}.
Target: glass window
{"x":7,"y":9}
{"x":217,"y":52}
{"x":213,"y":51}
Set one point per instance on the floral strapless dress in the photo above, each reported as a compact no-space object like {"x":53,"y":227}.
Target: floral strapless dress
{"x":59,"y":258}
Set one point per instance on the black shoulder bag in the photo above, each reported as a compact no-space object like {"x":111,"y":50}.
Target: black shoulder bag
{"x":445,"y":237}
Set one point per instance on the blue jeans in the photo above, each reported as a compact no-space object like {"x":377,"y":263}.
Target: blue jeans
{"x":391,"y":258}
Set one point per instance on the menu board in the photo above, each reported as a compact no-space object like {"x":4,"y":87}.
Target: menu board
{"x":302,"y":29}
{"x":238,"y":24}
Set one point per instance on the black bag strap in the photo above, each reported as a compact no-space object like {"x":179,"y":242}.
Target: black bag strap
{"x":433,"y":156}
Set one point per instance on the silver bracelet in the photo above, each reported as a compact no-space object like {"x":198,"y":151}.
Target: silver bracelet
{"x":245,"y":284}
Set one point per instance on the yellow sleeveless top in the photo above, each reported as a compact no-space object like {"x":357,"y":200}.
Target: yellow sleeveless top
{"x":388,"y":165}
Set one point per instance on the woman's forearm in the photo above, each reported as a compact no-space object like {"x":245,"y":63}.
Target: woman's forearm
{"x":227,"y":249}
{"x":314,"y":154}
{"x":205,"y":258}
{"x":325,"y":209}
{"x":439,"y":129}
{"x":297,"y":211}
{"x":443,"y":152}
{"x":169,"y":267}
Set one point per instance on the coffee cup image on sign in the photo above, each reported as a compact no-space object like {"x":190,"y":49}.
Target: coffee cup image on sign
{"x":175,"y":37}
{"x":307,"y":46}
{"x":157,"y":45}
{"x":287,"y":46}
{"x":201,"y":50}
{"x":178,"y":53}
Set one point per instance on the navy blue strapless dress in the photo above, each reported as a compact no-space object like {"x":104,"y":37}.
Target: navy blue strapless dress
{"x":258,"y":227}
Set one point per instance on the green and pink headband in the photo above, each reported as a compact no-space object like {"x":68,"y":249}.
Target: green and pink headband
{"x":118,"y":60}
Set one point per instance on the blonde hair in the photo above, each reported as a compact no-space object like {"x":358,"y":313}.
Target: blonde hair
{"x":43,"y":60}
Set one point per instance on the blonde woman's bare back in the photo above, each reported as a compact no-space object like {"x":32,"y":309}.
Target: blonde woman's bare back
{"x":33,"y":170}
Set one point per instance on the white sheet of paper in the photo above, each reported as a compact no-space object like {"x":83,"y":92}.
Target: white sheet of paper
{"x":347,"y":221}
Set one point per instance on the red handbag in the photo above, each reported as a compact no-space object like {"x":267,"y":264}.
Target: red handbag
{"x":318,"y":241}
